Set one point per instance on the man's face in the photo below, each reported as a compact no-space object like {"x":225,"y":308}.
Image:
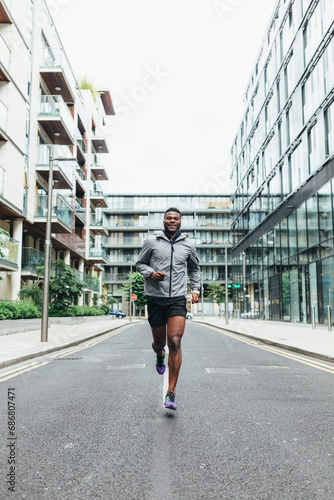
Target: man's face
{"x":172,"y":222}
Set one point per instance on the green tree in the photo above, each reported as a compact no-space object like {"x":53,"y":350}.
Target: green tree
{"x":3,"y":235}
{"x":32,"y":292}
{"x":64,"y":286}
{"x":137,"y":288}
{"x":216,"y":292}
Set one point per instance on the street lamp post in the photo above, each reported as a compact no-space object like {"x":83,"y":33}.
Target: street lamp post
{"x":47,"y":249}
{"x":226,"y":287}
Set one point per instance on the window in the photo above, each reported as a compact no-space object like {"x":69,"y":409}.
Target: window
{"x":329,"y":130}
{"x":298,"y":175}
{"x":312,"y":221}
{"x":313,"y":148}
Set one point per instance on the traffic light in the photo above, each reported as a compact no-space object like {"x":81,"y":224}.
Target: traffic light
{"x":236,"y":286}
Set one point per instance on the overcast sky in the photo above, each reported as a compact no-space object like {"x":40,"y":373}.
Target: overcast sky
{"x":177,"y":71}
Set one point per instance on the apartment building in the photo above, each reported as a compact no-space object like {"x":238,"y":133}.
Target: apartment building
{"x":130,"y":218}
{"x":283,"y":168}
{"x":43,"y":113}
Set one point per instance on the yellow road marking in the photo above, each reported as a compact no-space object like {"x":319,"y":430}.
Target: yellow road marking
{"x":24,"y":370}
{"x":36,"y":364}
{"x":295,"y":357}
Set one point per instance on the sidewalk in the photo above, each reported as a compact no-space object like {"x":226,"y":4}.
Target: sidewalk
{"x":295,"y":337}
{"x":19,"y":347}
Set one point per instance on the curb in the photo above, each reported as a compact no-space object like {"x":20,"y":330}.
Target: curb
{"x":298,"y":350}
{"x":21,"y":359}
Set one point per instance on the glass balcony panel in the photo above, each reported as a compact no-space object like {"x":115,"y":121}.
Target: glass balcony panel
{"x":121,"y":277}
{"x":56,"y":58}
{"x":54,"y":106}
{"x":60,"y":209}
{"x":98,"y":252}
{"x":43,"y":159}
{"x":9,"y":249}
{"x":4,"y":53}
{"x":31,"y":259}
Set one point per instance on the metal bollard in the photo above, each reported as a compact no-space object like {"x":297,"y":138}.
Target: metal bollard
{"x":329,"y":318}
{"x":313,"y":317}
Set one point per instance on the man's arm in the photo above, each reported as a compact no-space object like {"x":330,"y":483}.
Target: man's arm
{"x":194,"y":273}
{"x":144,"y":258}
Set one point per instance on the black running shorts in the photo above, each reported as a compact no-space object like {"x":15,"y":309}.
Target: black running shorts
{"x":159,"y":310}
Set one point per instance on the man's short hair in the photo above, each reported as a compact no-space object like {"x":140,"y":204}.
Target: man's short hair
{"x":173,"y":209}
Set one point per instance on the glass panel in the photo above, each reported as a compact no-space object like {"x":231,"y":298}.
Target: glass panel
{"x":292,"y":234}
{"x":328,"y":285}
{"x":294,"y":293}
{"x":286,"y":296}
{"x":303,"y":295}
{"x":312,"y":221}
{"x":325,"y":212}
{"x":301,"y":224}
{"x":314,"y":289}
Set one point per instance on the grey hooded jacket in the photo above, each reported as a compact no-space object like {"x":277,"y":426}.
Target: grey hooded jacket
{"x":159,"y":253}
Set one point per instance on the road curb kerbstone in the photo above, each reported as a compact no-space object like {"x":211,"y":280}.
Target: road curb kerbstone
{"x":21,"y":359}
{"x":287,"y":347}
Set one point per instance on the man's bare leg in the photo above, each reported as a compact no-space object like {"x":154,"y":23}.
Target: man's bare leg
{"x":159,"y":340}
{"x":175,"y":330}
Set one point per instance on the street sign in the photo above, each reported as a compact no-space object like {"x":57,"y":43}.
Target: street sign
{"x":133,"y":297}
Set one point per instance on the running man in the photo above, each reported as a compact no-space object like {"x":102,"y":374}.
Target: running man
{"x":163,"y":261}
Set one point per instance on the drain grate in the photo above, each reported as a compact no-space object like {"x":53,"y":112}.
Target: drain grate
{"x":228,"y":371}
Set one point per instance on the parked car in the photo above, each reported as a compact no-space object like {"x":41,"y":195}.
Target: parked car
{"x":118,"y":314}
{"x":189,"y":315}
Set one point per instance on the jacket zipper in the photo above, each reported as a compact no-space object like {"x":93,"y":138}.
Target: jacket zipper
{"x":171,"y":270}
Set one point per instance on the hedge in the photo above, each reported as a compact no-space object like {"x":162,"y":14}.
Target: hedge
{"x":25,"y":309}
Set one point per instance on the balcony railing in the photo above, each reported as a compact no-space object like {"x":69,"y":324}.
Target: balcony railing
{"x":119,"y":277}
{"x":90,"y":282}
{"x":80,"y":142}
{"x":54,"y":106}
{"x":2,"y":181}
{"x":31,"y":259}
{"x":4,"y":53}
{"x":3,"y":116}
{"x":98,"y":220}
{"x":98,"y":253}
{"x":56,"y":58}
{"x":60,"y":209}
{"x":9,"y":250}
{"x":43,"y":158}
{"x":185,"y":206}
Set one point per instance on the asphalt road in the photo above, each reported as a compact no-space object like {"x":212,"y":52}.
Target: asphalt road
{"x":253,"y":422}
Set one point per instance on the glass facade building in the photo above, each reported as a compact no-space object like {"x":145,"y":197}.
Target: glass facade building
{"x":283,"y":169}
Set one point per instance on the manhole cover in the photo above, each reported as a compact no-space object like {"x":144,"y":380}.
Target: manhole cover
{"x":228,"y":371}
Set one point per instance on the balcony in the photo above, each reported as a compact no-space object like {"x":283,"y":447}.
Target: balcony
{"x":63,"y":171}
{"x":56,"y":120}
{"x":81,"y":148}
{"x":57,"y":73}
{"x":200,"y":242}
{"x":61,"y":217}
{"x":98,"y":224}
{"x":4,"y":60}
{"x":97,"y":197}
{"x":98,"y":254}
{"x":98,"y":168}
{"x":9,"y":255}
{"x":100,"y":144}
{"x":89,"y":282}
{"x":5,"y":17}
{"x":3,"y":122}
{"x":79,"y":213}
{"x":110,"y":278}
{"x":31,"y":260}
{"x":80,"y":182}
